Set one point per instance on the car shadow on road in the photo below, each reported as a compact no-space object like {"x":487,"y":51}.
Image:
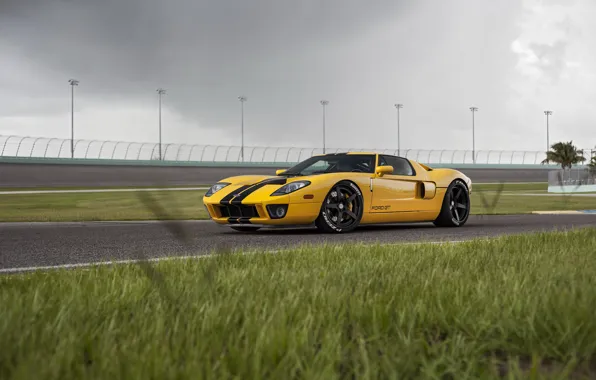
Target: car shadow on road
{"x":310,"y":231}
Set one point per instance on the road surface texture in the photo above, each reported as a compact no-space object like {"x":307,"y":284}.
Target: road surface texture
{"x":47,"y":244}
{"x":48,"y":175}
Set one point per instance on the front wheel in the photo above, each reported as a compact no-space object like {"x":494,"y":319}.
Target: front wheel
{"x":342,"y":208}
{"x":456,"y":206}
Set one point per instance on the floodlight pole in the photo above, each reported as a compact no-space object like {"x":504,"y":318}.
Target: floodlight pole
{"x":547,"y":113}
{"x":73,"y":83}
{"x":242,"y":100}
{"x":398,"y":107}
{"x":160,"y":92}
{"x":324,"y":104}
{"x":473,"y":109}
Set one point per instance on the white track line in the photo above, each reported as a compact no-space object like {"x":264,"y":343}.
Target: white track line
{"x":169,"y":258}
{"x":107,"y":222}
{"x":100,"y":190}
{"x":554,"y":194}
{"x":508,"y":183}
{"x":525,"y":194}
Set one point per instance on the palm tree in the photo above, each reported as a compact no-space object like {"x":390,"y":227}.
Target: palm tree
{"x":564,"y":154}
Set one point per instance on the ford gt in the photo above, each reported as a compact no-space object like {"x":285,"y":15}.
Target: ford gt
{"x":340,"y":191}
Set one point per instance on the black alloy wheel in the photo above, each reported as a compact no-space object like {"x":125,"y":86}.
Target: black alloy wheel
{"x":342,"y":208}
{"x":456,"y":206}
{"x":459,"y":204}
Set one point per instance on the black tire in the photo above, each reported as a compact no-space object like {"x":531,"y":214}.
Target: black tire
{"x":246,"y":229}
{"x":455,"y":210}
{"x":342,"y":208}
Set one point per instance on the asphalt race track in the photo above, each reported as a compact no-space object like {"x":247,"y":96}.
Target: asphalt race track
{"x":25,"y":245}
{"x":63,"y":175}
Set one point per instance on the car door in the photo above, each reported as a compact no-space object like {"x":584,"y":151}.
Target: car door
{"x":396,"y":192}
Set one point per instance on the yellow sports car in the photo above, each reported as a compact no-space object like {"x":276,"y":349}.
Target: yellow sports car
{"x":337,"y":192}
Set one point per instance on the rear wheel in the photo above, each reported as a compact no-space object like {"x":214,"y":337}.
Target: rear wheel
{"x":342,"y":208}
{"x":456,"y":206}
{"x":246,"y":229}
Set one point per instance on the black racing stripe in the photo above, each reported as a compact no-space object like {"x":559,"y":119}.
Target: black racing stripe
{"x":272,"y":181}
{"x":226,"y":200}
{"x":238,"y":200}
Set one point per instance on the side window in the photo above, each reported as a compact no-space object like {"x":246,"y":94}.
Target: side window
{"x":401,"y":166}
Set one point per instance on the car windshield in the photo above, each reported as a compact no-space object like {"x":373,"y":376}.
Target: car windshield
{"x":334,"y":163}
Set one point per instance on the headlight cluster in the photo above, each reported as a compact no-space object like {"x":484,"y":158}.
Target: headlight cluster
{"x":291,"y":187}
{"x":215,"y":188}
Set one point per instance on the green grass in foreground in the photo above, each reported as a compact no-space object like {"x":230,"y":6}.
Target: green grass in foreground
{"x":188,"y":204}
{"x":522,"y":304}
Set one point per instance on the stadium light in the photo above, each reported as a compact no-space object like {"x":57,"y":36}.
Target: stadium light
{"x":398,"y":107}
{"x":242,"y":100}
{"x":547,"y":113}
{"x":160,"y":92}
{"x":324,"y":104}
{"x":73,"y":83}
{"x":473,"y":109}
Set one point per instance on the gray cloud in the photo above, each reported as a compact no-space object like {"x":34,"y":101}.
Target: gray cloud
{"x":212,"y":41}
{"x":204,"y":52}
{"x":436,"y":57}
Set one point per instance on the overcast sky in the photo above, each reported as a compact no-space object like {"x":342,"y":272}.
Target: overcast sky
{"x":511,"y":58}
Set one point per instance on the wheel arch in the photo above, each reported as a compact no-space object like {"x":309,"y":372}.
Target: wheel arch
{"x":444,"y":177}
{"x":445,"y":185}
{"x":460,"y":179}
{"x":366,"y":198}
{"x":351,"y":181}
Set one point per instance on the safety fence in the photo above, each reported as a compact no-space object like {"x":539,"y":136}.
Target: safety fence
{"x":43,"y":147}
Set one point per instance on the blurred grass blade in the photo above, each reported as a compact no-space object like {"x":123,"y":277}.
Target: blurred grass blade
{"x":490,"y":207}
{"x":176,"y":228}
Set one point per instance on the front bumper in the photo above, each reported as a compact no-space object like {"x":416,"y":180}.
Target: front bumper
{"x":275,"y":212}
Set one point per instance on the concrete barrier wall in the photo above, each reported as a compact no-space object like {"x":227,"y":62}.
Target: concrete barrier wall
{"x":29,"y":173}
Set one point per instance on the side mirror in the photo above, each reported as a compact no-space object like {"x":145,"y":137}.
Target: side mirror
{"x":382,"y":170}
{"x":280,"y":171}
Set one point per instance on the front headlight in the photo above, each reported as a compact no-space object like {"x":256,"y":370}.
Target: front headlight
{"x":215,"y":188}
{"x":291,"y":187}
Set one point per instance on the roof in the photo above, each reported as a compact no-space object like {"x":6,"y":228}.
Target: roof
{"x":356,"y":153}
{"x":344,"y":153}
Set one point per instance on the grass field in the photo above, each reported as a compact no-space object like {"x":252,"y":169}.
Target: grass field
{"x":482,"y":309}
{"x":187,"y":204}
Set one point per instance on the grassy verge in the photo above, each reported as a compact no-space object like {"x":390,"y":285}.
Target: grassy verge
{"x":516,"y":305}
{"x":188,"y":204}
{"x":530,"y":187}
